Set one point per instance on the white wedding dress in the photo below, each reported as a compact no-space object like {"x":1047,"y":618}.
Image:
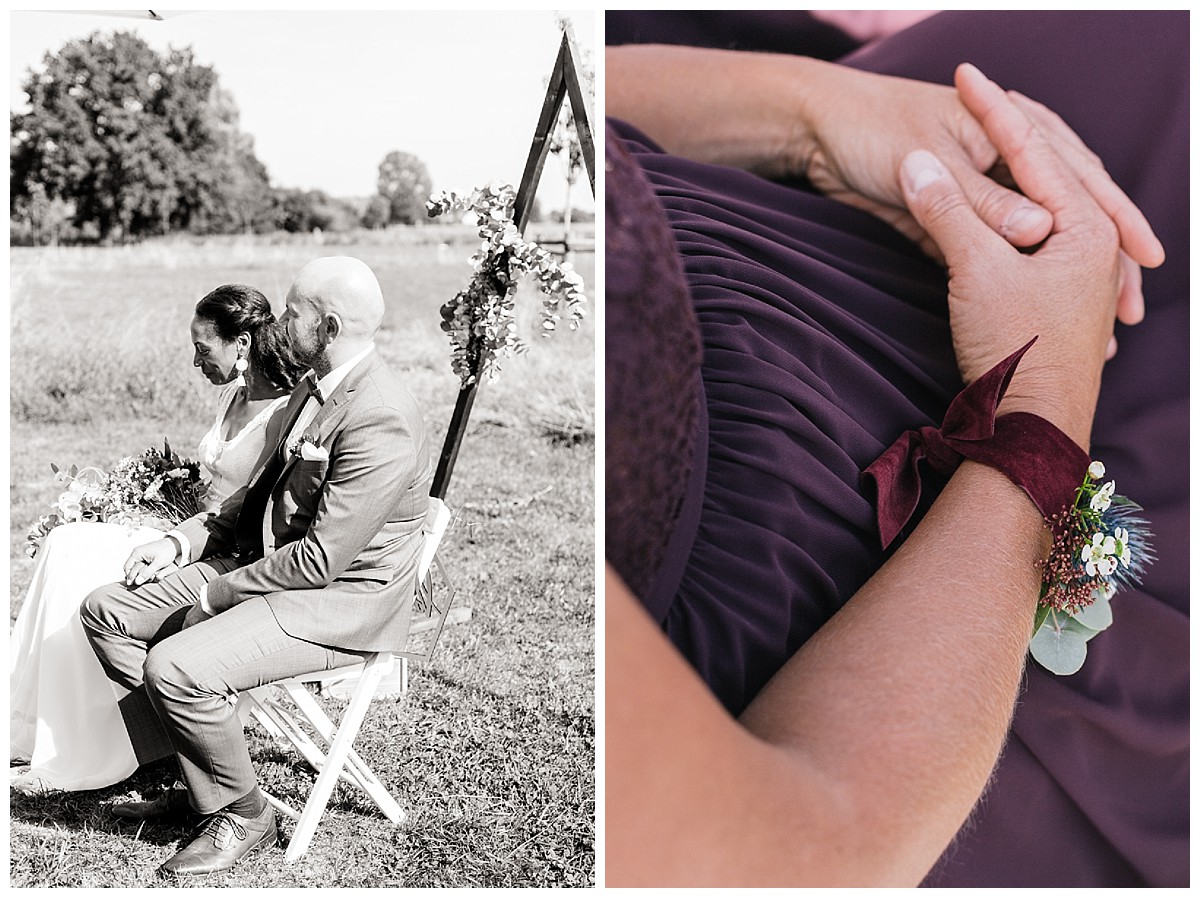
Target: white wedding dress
{"x":63,"y":717}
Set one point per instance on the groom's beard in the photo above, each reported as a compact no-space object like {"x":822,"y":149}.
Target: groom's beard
{"x":309,"y":351}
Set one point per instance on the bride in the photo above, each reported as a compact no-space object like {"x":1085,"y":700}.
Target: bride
{"x":65,"y":730}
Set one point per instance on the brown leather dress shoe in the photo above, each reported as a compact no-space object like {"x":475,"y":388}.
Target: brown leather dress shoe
{"x":224,"y":840}
{"x":171,"y":804}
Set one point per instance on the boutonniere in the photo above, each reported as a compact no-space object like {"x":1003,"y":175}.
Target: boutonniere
{"x":306,"y":449}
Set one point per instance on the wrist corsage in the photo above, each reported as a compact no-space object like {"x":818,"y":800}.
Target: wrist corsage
{"x":1099,"y":542}
{"x":1100,"y":545}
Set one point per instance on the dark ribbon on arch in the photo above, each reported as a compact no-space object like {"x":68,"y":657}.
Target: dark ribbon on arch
{"x":1032,"y":452}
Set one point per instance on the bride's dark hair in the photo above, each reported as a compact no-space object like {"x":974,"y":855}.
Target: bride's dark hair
{"x":234,"y":309}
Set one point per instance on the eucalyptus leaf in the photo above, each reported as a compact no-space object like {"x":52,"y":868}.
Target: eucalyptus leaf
{"x":1060,"y":645}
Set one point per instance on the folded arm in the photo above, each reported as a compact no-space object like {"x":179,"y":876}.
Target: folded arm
{"x":864,"y":754}
{"x":847,"y":131}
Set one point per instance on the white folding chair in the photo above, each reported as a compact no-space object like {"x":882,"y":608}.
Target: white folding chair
{"x":266,"y":704}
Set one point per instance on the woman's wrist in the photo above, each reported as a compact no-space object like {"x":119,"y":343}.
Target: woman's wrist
{"x":748,"y":110}
{"x":1067,"y":403}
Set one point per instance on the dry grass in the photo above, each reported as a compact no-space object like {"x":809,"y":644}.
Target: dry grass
{"x":491,"y":753}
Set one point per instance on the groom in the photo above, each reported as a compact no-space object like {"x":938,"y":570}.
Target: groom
{"x":308,"y":567}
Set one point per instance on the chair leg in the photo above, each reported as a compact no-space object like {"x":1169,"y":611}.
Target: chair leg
{"x":283,"y":808}
{"x":356,"y":770}
{"x":336,"y":759}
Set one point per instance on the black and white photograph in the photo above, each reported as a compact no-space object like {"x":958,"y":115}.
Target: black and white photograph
{"x":302,"y":449}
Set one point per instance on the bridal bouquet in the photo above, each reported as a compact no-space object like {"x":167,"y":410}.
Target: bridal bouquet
{"x":1100,"y":544}
{"x":156,"y":487}
{"x":480,"y":319}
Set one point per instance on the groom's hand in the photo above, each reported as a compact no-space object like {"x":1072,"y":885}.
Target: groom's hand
{"x":146,"y":561}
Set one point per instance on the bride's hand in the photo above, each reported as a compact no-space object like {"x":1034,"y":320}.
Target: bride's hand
{"x":147,"y":560}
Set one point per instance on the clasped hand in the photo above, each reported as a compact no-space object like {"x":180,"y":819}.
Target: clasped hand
{"x":151,"y":561}
{"x":859,"y":126}
{"x":1066,"y":292}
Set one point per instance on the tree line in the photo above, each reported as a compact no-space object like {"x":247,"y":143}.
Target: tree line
{"x":122,"y":142}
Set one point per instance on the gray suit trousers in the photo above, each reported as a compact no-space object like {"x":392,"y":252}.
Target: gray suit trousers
{"x":180,"y":680}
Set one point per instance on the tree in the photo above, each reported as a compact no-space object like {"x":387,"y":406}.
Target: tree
{"x":301,"y":211}
{"x":405,"y":183}
{"x":38,"y":219}
{"x":377,"y":213}
{"x":239,"y":198}
{"x":138,"y":142}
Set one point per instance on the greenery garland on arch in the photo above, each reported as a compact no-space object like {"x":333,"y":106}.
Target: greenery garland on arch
{"x":480,"y":320}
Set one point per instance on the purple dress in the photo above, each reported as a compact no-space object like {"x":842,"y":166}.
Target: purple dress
{"x":822,"y":335}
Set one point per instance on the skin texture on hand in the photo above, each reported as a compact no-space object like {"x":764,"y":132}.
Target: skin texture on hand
{"x":1065,"y":292}
{"x":856,"y":164}
{"x":848,"y":131}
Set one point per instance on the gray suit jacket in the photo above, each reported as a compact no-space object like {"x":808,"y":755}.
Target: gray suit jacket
{"x":341,"y":536}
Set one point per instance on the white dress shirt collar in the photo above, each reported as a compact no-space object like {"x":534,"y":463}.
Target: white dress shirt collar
{"x":334,"y":378}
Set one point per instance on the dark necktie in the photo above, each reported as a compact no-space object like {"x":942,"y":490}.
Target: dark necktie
{"x":314,"y":390}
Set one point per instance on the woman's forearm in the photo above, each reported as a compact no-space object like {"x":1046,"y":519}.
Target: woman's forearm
{"x":862,"y":757}
{"x":733,"y":108}
{"x":903,"y":699}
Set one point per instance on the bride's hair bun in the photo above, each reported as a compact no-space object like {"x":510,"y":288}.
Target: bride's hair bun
{"x":234,"y":309}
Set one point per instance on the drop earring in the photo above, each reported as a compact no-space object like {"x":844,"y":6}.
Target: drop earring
{"x":240,"y":367}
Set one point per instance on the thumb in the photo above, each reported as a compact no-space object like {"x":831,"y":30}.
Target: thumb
{"x":941,"y":208}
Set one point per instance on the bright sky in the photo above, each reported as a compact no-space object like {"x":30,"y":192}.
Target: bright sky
{"x":326,"y":95}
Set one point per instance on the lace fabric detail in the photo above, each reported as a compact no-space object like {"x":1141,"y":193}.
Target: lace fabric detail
{"x":652,"y":358}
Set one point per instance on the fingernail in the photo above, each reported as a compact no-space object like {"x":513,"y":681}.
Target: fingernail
{"x":971,"y":69}
{"x":1024,"y":217}
{"x":920,"y":169}
{"x":975,"y":74}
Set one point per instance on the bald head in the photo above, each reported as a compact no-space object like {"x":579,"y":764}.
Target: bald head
{"x":342,"y":286}
{"x":334,"y":308}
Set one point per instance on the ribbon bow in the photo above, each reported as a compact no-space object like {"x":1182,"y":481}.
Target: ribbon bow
{"x":310,"y":380}
{"x":1031,"y":451}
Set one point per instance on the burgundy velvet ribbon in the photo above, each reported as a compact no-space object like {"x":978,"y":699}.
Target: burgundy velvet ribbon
{"x":1028,"y":449}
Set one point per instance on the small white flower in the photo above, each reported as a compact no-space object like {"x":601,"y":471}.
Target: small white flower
{"x":1121,"y":537}
{"x":1096,"y":470}
{"x":1097,"y":556}
{"x":1103,"y":497}
{"x":69,"y":505}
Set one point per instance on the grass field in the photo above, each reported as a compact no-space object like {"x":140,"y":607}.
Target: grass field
{"x":491,"y":753}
